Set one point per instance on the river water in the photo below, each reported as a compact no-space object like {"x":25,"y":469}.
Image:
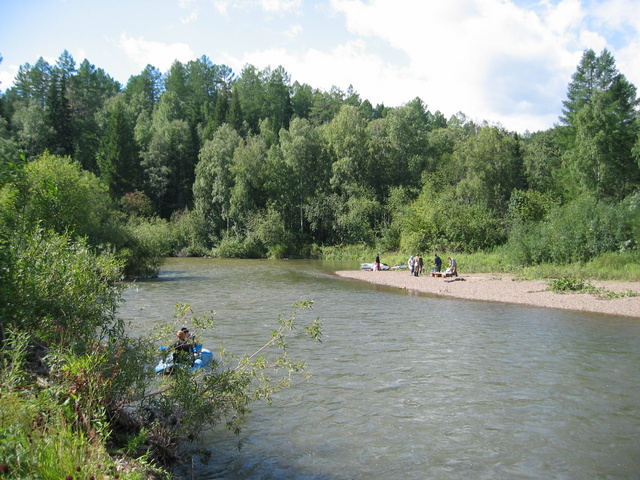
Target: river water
{"x":410,"y":386}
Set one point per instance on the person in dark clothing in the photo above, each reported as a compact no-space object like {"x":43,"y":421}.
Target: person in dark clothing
{"x":184,"y":348}
{"x":437,"y":262}
{"x":420,"y":265}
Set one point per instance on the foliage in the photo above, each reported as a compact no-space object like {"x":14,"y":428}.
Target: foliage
{"x":602,"y":118}
{"x":269,"y":229}
{"x":136,"y":203}
{"x":148,"y":243}
{"x":189,"y":234}
{"x":97,"y":385}
{"x":360,"y":252}
{"x":118,"y":156}
{"x":187,"y":402}
{"x":55,"y":193}
{"x":575,"y":232}
{"x":42,"y":437}
{"x":235,"y":246}
{"x":64,"y":363}
{"x":567,"y":284}
{"x":213,"y":180}
{"x":269,"y":168}
{"x":355,"y":221}
{"x":53,"y":285}
{"x":575,"y":285}
{"x":439,"y":220}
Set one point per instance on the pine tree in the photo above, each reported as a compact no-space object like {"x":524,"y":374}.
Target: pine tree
{"x":601,"y":128}
{"x":60,"y":117}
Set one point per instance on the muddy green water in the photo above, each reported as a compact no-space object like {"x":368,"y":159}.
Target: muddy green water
{"x":408,"y":386}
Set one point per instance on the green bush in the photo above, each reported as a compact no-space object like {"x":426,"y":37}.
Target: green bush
{"x":47,"y":435}
{"x":239,"y":247}
{"x":576,"y":232}
{"x":268,"y":229}
{"x":189,"y":233}
{"x":567,"y":284}
{"x":58,"y":195}
{"x":149,"y":243}
{"x":440,"y":221}
{"x":58,"y":289}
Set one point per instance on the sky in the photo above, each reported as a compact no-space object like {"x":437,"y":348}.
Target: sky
{"x":506,"y":62}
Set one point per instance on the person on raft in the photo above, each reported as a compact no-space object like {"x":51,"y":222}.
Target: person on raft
{"x":185,"y":348}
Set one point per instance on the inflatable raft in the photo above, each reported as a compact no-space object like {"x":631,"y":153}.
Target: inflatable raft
{"x":166,"y":364}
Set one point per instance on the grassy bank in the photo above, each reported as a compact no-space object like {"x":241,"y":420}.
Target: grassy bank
{"x":609,"y":266}
{"x":47,"y":433}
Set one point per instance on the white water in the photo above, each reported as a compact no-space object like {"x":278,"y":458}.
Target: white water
{"x":408,"y":386}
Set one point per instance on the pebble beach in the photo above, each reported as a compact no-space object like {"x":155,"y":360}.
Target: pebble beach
{"x":508,"y":289}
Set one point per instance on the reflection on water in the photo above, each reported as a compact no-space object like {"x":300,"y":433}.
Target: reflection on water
{"x":409,"y":386}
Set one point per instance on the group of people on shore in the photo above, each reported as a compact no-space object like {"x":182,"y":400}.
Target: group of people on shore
{"x":416,"y":265}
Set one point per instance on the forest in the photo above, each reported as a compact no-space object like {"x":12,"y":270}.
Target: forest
{"x":204,"y":161}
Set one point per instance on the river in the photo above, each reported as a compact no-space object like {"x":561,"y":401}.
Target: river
{"x":408,"y":386}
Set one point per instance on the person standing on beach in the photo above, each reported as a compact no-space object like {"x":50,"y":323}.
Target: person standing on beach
{"x":411,"y":264}
{"x":377,"y":265}
{"x":437,"y":262}
{"x":453,"y":266}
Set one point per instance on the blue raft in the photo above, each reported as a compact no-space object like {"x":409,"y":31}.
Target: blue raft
{"x":203,"y":360}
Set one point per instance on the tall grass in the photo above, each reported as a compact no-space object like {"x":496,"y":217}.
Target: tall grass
{"x":42,"y":438}
{"x":608,"y":266}
{"x":623,"y":266}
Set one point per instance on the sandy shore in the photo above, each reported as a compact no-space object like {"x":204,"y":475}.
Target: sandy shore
{"x":504,"y":288}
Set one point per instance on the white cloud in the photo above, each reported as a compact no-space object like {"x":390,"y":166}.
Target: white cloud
{"x":490,"y":58}
{"x":618,"y":14}
{"x":627,"y":62}
{"x":621,"y":17}
{"x":280,"y":5}
{"x":161,"y":55}
{"x":193,"y":16}
{"x":294,"y":31}
{"x":7,"y":75}
{"x":467,"y":55}
{"x":564,"y":18}
{"x":222,"y":6}
{"x":506,"y":61}
{"x":347,"y":64}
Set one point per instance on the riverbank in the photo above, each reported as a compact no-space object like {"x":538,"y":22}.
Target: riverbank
{"x":508,"y":289}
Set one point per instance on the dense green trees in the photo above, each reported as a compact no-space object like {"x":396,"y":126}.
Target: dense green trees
{"x":601,"y":118}
{"x":231,"y":154}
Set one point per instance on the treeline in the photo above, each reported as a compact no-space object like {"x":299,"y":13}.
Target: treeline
{"x":252,"y":165}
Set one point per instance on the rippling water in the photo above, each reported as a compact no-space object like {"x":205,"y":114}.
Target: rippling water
{"x":408,"y":386}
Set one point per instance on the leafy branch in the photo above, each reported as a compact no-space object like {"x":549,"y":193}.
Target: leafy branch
{"x":187,"y":402}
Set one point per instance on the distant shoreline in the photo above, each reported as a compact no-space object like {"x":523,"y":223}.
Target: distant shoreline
{"x":506,"y":289}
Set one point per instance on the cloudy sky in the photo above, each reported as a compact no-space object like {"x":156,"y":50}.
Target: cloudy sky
{"x":503,"y":61}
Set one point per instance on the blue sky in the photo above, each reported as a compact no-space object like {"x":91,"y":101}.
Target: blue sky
{"x":504,"y":61}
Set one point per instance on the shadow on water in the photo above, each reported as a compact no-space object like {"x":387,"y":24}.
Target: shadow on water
{"x":235,"y":466}
{"x":176,"y":277}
